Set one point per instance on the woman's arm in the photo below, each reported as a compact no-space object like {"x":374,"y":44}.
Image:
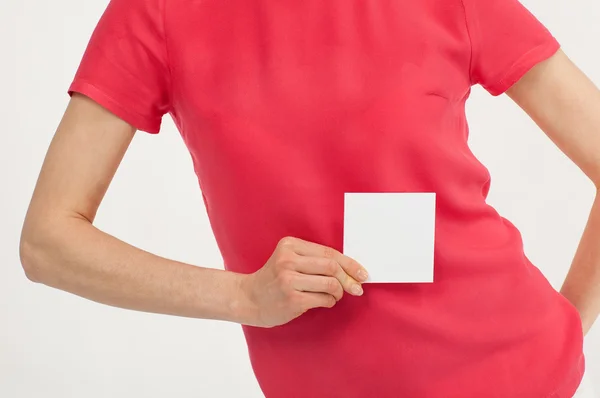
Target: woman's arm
{"x":61,"y":248}
{"x":566,"y":106}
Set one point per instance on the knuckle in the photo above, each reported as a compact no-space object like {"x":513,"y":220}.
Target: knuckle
{"x":294,"y":300}
{"x":339,"y":292}
{"x":300,"y":303}
{"x":331,"y":267}
{"x":285,"y":258}
{"x":286,"y":241}
{"x":330,"y":302}
{"x":284,"y":280}
{"x":328,"y":252}
{"x":332,"y":285}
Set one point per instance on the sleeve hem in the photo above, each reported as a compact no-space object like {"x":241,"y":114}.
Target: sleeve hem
{"x":523,"y":65}
{"x":140,"y":122}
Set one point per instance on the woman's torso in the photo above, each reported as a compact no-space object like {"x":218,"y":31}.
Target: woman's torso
{"x":287,"y":105}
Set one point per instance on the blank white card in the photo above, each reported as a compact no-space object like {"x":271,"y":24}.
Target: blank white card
{"x":391,"y":234}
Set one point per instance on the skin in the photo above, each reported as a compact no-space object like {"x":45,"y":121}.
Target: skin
{"x":565,"y":104}
{"x":61,"y":248}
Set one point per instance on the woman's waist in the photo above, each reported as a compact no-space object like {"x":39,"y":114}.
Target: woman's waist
{"x":412,"y":337}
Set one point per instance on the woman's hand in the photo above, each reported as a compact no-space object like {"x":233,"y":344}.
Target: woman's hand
{"x":300,"y":275}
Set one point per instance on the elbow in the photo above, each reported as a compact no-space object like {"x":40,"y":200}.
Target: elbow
{"x":35,"y":251}
{"x":30,"y":259}
{"x":43,"y":249}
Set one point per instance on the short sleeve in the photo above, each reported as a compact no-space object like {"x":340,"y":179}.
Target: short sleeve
{"x":125,"y":65}
{"x":507,"y":40}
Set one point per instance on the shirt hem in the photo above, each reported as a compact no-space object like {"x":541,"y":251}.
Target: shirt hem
{"x":523,"y":65}
{"x":106,"y":101}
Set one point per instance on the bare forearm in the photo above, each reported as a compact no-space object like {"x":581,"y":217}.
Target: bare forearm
{"x":76,"y":257}
{"x":582,"y":285}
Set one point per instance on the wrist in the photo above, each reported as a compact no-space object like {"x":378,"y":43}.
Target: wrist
{"x":242,"y":308}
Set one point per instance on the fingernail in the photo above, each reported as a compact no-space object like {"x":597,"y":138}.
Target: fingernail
{"x":363,"y":275}
{"x":357,"y":290}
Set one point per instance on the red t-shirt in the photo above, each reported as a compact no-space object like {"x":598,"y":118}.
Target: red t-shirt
{"x":285,"y":106}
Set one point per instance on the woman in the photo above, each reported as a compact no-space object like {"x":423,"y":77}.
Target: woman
{"x":289,"y":105}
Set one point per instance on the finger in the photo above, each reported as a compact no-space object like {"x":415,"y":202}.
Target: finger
{"x":317,"y":300}
{"x":327,"y":267}
{"x":318,"y":284}
{"x":349,"y":265}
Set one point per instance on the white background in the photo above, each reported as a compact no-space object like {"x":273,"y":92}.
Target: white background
{"x":53,"y":344}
